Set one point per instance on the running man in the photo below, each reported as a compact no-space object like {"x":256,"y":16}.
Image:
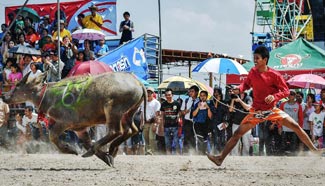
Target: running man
{"x":268,"y":88}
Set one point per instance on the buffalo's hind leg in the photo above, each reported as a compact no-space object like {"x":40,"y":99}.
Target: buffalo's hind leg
{"x":130,"y":129}
{"x":86,"y":141}
{"x":55,"y":131}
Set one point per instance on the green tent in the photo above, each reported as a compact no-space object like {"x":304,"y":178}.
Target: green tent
{"x":297,"y":55}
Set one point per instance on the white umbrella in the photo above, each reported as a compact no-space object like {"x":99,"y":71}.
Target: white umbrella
{"x":220,"y":66}
{"x":89,"y":34}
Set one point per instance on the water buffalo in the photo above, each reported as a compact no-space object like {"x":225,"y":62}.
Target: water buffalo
{"x":79,"y":102}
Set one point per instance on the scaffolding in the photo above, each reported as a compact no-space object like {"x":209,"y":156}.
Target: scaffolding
{"x":284,"y":20}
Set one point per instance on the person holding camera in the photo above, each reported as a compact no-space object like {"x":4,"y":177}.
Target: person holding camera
{"x":238,"y":113}
{"x":201,"y":117}
{"x":68,"y":55}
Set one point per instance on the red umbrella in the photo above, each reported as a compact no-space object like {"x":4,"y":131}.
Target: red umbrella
{"x":307,"y":81}
{"x":90,"y":67}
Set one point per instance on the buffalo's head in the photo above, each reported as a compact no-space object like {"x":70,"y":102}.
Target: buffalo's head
{"x":26,"y":90}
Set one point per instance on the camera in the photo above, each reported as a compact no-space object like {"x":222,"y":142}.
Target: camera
{"x":234,"y":96}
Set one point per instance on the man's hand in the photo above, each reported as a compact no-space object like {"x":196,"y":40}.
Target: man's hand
{"x":269,"y":99}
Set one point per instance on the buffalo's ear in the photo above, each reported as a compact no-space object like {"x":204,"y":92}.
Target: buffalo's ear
{"x":41,"y":78}
{"x":24,"y":80}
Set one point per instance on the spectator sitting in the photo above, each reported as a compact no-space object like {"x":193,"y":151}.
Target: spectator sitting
{"x":31,"y":36}
{"x":20,"y":25}
{"x":80,"y":57}
{"x":35,"y":72}
{"x":94,"y":20}
{"x":89,"y":54}
{"x":45,"y":24}
{"x":21,"y":40}
{"x":15,"y":76}
{"x":28,"y":22}
{"x":101,"y":49}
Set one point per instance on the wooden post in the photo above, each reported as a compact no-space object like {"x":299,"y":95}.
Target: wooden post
{"x":210,"y":79}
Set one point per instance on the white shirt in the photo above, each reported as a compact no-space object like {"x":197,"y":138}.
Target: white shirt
{"x":32,"y":120}
{"x":152,"y":107}
{"x":318,"y":120}
{"x":188,"y":107}
{"x":33,"y":75}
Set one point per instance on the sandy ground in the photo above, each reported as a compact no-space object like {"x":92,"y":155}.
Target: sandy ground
{"x":59,"y":169}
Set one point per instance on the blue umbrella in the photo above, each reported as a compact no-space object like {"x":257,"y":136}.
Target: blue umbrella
{"x":220,"y":66}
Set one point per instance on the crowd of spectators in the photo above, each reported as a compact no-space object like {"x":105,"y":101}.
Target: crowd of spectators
{"x":198,"y":125}
{"x":22,"y":122}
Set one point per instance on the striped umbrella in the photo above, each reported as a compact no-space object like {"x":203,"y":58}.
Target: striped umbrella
{"x":220,"y":66}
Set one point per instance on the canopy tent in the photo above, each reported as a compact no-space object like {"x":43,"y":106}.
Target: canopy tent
{"x":297,"y":57}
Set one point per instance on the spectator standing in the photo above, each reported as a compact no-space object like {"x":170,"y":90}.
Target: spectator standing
{"x":126,"y":27}
{"x":68,"y":55}
{"x":53,"y":66}
{"x":170,"y":114}
{"x":149,"y":128}
{"x":4,"y":116}
{"x":219,"y":123}
{"x":30,"y":119}
{"x":201,"y":117}
{"x":187,"y":107}
{"x":26,"y":64}
{"x":294,"y":110}
{"x":238,"y":113}
{"x":94,"y":20}
{"x":316,"y":120}
{"x":309,"y":108}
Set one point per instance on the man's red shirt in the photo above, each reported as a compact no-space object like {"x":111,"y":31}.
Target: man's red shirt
{"x":264,"y":84}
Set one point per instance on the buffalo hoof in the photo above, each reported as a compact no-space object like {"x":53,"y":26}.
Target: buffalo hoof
{"x":89,"y":153}
{"x":109,"y":160}
{"x":69,"y":149}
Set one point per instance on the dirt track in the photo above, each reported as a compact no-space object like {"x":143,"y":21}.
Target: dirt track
{"x":58,"y":169}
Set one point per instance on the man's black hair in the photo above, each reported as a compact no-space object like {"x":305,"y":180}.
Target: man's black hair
{"x":264,"y":52}
{"x":195,"y":88}
{"x":126,"y":13}
{"x":169,"y":89}
{"x":29,"y":108}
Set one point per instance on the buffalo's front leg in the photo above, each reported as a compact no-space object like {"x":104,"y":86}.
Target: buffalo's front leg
{"x":86,"y":141}
{"x":113,"y":121}
{"x":55,"y":131}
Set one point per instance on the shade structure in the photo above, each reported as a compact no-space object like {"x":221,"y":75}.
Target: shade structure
{"x":307,"y":81}
{"x":21,"y":49}
{"x":90,"y":67}
{"x":89,"y":34}
{"x":220,"y":66}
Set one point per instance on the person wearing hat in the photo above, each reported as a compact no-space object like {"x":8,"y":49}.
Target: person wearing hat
{"x":126,"y":27}
{"x":52,"y":66}
{"x":94,"y":20}
{"x":316,"y":122}
{"x":153,"y":106}
{"x":63,"y":32}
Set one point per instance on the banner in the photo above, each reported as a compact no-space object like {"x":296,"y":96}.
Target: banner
{"x":128,"y":58}
{"x":106,"y":8}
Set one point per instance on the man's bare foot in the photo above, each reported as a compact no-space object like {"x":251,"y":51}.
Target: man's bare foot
{"x":215,"y":159}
